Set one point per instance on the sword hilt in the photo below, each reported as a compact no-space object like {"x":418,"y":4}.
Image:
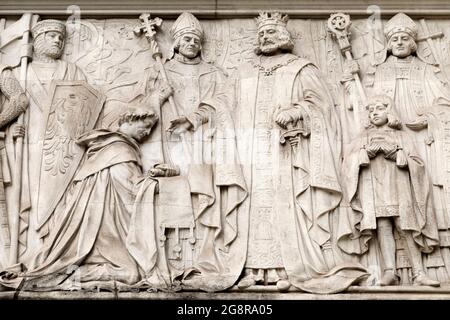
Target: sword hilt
{"x":294,"y":131}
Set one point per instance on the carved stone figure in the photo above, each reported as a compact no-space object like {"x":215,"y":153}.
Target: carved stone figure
{"x":106,"y":208}
{"x":210,"y":157}
{"x":413,"y":84}
{"x":388,"y":186}
{"x":293,"y":187}
{"x":193,"y":137}
{"x":15,"y":104}
{"x":48,"y":43}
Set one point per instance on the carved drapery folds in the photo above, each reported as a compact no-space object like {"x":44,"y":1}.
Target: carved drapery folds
{"x":308,"y":155}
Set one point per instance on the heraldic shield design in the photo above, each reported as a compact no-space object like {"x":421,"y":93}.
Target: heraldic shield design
{"x":74,"y":109}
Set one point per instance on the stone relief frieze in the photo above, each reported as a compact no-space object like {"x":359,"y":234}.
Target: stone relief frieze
{"x":302,"y":154}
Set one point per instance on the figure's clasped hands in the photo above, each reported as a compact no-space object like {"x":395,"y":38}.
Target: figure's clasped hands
{"x":388,"y":148}
{"x":372,"y":150}
{"x":383,"y":145}
{"x":389,"y":151}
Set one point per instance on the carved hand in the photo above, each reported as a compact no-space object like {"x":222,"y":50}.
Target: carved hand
{"x":389,"y":151}
{"x":165,"y":92}
{"x":285,"y":116}
{"x":18,"y":130}
{"x":351,"y":67}
{"x":294,"y":141}
{"x":164,"y":170}
{"x":8,"y":275}
{"x":180,"y":125}
{"x":154,"y":47}
{"x":372,"y":150}
{"x":418,"y":124}
{"x":21,"y":101}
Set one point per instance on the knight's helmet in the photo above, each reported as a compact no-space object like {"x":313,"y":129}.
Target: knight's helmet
{"x":48,"y":25}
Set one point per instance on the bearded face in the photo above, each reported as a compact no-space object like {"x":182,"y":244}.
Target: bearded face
{"x":269,"y":39}
{"x":273,"y":39}
{"x":50,"y":44}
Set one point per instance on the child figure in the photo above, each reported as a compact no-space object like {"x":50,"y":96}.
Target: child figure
{"x":387,"y":186}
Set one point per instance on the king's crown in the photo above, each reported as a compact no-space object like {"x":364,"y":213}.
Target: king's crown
{"x":271,"y":18}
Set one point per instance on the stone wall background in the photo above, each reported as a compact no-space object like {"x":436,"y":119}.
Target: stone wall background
{"x":114,"y":58}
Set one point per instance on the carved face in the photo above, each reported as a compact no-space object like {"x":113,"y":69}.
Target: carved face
{"x":137,"y":129}
{"x":190,"y":45}
{"x":50,"y":44}
{"x":402,"y":44}
{"x":269,"y":39}
{"x":378,"y":114}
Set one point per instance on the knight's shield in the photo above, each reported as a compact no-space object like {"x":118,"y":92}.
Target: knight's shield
{"x":74,"y":109}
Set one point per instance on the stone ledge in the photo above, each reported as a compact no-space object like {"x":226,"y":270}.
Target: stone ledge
{"x":223,"y":8}
{"x":252,"y":293}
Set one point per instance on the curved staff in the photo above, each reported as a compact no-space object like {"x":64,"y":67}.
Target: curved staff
{"x":148,"y":27}
{"x":338,"y":25}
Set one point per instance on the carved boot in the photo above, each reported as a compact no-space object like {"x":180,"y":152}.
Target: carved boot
{"x":419,"y":276}
{"x":246,"y":281}
{"x":328,"y":255}
{"x":421,"y":279}
{"x":283,"y":285}
{"x":389,"y":278}
{"x":387,"y":248}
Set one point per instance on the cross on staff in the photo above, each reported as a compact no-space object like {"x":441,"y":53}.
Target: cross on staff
{"x":429,"y":37}
{"x":149,"y":27}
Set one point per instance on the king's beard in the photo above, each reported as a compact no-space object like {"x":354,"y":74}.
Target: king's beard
{"x":270,"y":47}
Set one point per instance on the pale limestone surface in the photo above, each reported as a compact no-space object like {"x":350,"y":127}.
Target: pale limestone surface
{"x":242,"y":156}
